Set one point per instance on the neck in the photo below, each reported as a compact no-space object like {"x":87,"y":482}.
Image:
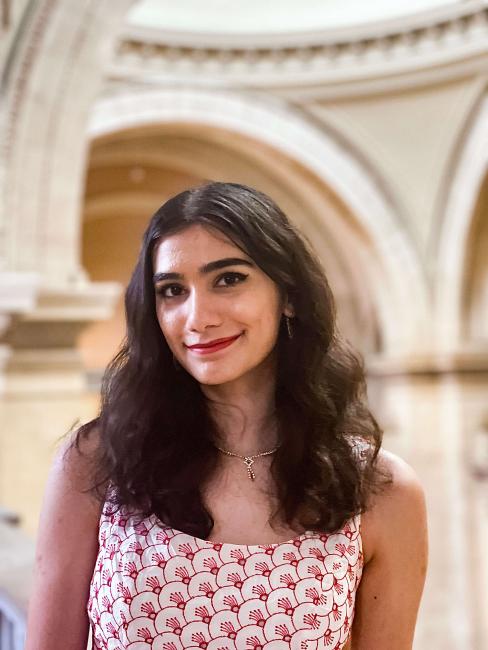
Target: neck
{"x":244,"y":413}
{"x":244,"y":435}
{"x":253,"y":454}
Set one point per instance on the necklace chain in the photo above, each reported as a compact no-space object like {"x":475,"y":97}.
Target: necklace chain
{"x":248,"y":460}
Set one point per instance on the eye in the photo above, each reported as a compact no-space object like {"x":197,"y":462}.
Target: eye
{"x":231,"y":279}
{"x":161,"y":291}
{"x":239,"y":277}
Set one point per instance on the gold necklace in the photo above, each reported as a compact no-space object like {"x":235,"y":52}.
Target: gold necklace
{"x":249,"y":460}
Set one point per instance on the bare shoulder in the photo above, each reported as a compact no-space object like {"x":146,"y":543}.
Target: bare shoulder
{"x":395,"y":546}
{"x":75,"y":461}
{"x":406,"y":483}
{"x":68,"y":500}
{"x":66,"y":550}
{"x":395,"y":464}
{"x":399,"y":506}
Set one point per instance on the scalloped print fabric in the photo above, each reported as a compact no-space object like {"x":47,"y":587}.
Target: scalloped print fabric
{"x":156,"y":587}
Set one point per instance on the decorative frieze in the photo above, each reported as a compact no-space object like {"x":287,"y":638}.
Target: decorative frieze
{"x":377,"y":50}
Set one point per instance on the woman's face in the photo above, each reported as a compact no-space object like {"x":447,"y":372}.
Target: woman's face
{"x":208,"y":289}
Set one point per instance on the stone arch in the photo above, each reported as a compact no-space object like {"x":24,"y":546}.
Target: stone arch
{"x":475,"y":277}
{"x":132,"y":172}
{"x":45,"y":168}
{"x":289,"y":133}
{"x":51,"y":78}
{"x":469,"y":171}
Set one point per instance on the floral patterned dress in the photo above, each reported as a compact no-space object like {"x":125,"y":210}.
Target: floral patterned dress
{"x":157,"y":587}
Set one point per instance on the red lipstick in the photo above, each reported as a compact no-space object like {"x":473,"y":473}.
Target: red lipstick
{"x":213,"y":346}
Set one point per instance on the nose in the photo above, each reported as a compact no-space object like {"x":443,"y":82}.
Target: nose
{"x":202,"y":312}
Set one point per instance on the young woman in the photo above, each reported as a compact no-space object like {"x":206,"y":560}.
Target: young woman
{"x":232,"y":493}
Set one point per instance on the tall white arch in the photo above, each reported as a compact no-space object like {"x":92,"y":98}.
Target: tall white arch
{"x":470,"y":170}
{"x":51,"y":78}
{"x":288,"y":131}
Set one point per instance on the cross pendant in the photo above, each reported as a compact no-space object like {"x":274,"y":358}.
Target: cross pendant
{"x":248,"y":462}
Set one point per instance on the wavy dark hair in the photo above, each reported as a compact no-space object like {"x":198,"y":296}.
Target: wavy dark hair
{"x":154,"y":429}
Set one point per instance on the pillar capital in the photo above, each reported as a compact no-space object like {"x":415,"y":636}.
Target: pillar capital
{"x":470,"y":359}
{"x":41,"y":326}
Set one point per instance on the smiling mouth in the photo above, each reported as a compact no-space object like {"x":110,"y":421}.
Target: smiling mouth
{"x":219,"y":345}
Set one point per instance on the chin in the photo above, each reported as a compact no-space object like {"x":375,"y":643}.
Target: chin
{"x":215,"y":376}
{"x":215,"y":379}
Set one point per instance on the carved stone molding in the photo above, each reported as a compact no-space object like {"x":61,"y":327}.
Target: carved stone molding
{"x":467,"y":361}
{"x":18,"y":292}
{"x":52,"y":76}
{"x":38,"y":349}
{"x":452,"y":37}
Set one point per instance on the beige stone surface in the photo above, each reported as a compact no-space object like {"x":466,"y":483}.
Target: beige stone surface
{"x":31,"y":429}
{"x":410,"y":137}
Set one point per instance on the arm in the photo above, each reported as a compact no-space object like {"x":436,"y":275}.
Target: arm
{"x":389,"y":593}
{"x":66,"y":550}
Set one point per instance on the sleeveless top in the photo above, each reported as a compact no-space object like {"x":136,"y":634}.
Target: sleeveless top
{"x":157,"y":587}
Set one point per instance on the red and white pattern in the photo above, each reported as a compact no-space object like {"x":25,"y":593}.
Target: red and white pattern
{"x":156,"y":587}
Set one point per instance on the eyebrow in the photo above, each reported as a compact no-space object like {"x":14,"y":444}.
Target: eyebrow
{"x":206,"y":268}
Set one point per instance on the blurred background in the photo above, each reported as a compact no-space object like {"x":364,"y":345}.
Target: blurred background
{"x":366,"y":122}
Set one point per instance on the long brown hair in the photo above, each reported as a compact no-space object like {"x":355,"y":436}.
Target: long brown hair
{"x":154,"y":427}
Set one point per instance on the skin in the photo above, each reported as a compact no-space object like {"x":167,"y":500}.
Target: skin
{"x":201,"y":307}
{"x":241,"y":378}
{"x":395,"y":542}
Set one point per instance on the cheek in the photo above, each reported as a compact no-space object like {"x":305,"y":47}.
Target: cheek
{"x":265,"y":314}
{"x":167,"y":323}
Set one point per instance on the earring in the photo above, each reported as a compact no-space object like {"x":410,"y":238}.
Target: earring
{"x":288,"y":327}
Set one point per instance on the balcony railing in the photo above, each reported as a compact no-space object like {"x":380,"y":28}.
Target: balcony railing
{"x":12,"y":624}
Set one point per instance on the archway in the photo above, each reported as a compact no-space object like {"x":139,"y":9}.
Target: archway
{"x":239,"y":118}
{"x":452,"y":253}
{"x":132,"y":172}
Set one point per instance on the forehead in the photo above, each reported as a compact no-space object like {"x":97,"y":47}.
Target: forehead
{"x":192,"y":245}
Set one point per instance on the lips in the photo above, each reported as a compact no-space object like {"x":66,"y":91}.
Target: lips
{"x":213,"y":344}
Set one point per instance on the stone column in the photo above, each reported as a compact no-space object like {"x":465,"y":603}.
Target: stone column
{"x":43,"y":383}
{"x":434,"y":412}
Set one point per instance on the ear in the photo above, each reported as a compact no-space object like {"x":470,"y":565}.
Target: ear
{"x":289,"y":310}
{"x":286,"y":306}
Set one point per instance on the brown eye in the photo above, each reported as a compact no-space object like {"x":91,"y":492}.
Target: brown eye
{"x":162,"y":291}
{"x":231,"y":278}
{"x":236,"y":278}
